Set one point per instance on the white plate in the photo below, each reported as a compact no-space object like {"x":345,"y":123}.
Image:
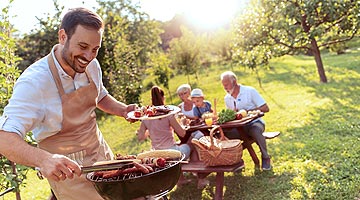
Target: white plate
{"x":174,"y":110}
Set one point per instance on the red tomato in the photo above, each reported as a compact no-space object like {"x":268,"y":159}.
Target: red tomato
{"x":150,"y":112}
{"x":160,"y":162}
{"x":137,"y":113}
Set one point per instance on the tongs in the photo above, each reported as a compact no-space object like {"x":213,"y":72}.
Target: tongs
{"x":108,"y":165}
{"x":101,"y":166}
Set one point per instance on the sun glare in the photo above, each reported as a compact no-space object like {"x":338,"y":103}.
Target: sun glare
{"x":206,"y":14}
{"x":211,"y":14}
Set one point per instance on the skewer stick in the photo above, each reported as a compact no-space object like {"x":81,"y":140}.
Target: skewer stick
{"x":215,"y":101}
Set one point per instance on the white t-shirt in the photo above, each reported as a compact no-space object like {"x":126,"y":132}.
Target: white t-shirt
{"x":248,"y":99}
{"x":36,"y":105}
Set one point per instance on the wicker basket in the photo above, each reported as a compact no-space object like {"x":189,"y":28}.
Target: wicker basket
{"x":215,"y":152}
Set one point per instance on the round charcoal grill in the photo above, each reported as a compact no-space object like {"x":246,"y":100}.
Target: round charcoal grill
{"x":134,"y":185}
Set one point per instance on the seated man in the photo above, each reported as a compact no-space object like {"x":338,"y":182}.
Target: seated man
{"x":247,"y":98}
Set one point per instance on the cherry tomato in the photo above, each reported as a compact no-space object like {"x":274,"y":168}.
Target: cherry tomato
{"x":160,"y":162}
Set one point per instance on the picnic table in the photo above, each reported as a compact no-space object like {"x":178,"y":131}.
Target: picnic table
{"x":200,"y":167}
{"x":238,"y":124}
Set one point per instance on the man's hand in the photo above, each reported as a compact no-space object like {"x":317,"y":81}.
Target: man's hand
{"x":59,"y":167}
{"x":129,"y":108}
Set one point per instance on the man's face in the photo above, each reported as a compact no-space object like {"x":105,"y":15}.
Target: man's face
{"x":81,"y":48}
{"x":229,"y":85}
{"x":198,"y":101}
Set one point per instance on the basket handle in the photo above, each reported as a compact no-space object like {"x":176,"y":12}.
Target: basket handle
{"x":212,"y":133}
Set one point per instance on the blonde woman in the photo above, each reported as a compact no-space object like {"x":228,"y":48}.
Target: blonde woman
{"x":186,"y":105}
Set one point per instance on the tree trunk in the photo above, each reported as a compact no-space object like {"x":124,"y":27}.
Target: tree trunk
{"x":319,"y":63}
{"x":13,"y":167}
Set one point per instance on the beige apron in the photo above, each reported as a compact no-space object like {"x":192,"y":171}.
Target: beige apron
{"x":79,"y":138}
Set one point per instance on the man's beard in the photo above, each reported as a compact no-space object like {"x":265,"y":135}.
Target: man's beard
{"x":231,"y":90}
{"x":66,"y":56}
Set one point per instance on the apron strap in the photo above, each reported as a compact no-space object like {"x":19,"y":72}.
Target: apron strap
{"x":55,"y":74}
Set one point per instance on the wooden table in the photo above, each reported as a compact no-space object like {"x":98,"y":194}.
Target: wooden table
{"x":247,"y":141}
{"x":199,"y":167}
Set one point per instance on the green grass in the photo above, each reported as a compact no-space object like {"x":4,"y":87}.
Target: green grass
{"x":315,"y":157}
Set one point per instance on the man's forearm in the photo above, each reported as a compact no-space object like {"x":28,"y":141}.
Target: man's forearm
{"x":110,"y":105}
{"x":14,"y":148}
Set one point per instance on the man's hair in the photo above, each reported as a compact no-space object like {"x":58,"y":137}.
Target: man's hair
{"x":157,"y":96}
{"x":230,"y":75}
{"x":80,"y":16}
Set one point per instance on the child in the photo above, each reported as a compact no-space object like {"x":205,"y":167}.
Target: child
{"x":201,"y":106}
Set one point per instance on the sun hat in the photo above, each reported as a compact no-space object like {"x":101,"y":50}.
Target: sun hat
{"x":197,"y":93}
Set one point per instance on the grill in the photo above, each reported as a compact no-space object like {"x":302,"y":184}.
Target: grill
{"x":134,"y":185}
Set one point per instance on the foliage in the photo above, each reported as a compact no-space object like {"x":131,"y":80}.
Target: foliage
{"x":8,"y":59}
{"x":40,"y":41}
{"x":160,"y":66}
{"x":273,"y":28}
{"x":185,"y":53}
{"x":11,"y":175}
{"x":128,"y":38}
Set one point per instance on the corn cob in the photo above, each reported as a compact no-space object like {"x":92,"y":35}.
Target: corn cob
{"x":165,"y":153}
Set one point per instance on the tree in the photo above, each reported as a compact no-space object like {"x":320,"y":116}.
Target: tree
{"x":185,"y":53}
{"x":274,"y":28}
{"x":128,"y":39}
{"x":39,"y":42}
{"x":160,"y":67}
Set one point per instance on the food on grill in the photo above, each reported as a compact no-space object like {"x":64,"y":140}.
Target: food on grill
{"x":159,"y":162}
{"x":137,"y":184}
{"x":165,"y":153}
{"x":143,"y":163}
{"x":124,"y":157}
{"x":133,"y":167}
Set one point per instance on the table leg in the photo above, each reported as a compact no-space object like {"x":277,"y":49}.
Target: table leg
{"x":253,"y":155}
{"x":247,"y":141}
{"x":219,"y":185}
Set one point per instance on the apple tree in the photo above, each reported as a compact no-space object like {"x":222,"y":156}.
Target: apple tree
{"x":272,"y":28}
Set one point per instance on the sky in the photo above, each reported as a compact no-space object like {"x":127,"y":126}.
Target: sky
{"x":205,"y":13}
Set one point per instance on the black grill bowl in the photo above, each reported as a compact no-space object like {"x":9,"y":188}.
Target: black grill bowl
{"x":140,"y":186}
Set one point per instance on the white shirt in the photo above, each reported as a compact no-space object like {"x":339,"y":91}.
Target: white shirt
{"x":189,"y":113}
{"x":247,"y":99}
{"x":35,"y":104}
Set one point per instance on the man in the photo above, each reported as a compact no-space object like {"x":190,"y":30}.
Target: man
{"x":247,"y":98}
{"x":55,"y":98}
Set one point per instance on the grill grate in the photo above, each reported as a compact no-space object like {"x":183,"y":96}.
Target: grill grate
{"x":128,"y":176}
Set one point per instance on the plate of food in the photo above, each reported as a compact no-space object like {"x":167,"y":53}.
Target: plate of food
{"x":153,"y":112}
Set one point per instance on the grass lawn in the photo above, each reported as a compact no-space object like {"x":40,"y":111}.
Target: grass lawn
{"x":315,"y":157}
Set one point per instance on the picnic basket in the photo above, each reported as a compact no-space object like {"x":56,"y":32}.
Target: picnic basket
{"x":215,"y":152}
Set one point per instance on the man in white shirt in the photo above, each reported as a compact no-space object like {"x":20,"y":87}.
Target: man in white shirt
{"x":56,"y":98}
{"x":245,"y":97}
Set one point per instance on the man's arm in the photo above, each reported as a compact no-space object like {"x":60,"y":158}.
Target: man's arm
{"x":264,"y":108}
{"x":14,"y":148}
{"x":112,"y":106}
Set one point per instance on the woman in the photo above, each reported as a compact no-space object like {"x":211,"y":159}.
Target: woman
{"x":161,"y":131}
{"x":186,"y":105}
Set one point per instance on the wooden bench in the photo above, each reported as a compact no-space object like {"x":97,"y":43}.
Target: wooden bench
{"x":199,"y":167}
